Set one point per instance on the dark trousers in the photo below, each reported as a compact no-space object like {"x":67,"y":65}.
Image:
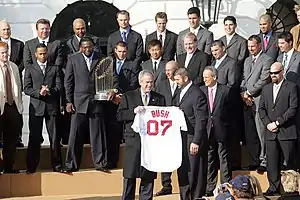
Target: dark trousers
{"x":145,"y":192}
{"x":192,"y":174}
{"x":10,"y":124}
{"x":274,"y":150}
{"x":166,"y":180}
{"x":76,"y":140}
{"x":63,"y":127}
{"x":251,"y":137}
{"x":34,"y":143}
{"x":217,"y":151}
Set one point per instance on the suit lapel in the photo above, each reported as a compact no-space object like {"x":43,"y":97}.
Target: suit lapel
{"x":293,"y":58}
{"x":38,"y":68}
{"x":232,"y":41}
{"x":281,"y":89}
{"x":270,"y":42}
{"x":167,"y":40}
{"x":75,"y":44}
{"x":200,"y":34}
{"x":254,"y":68}
{"x":13,"y":50}
{"x":192,"y":60}
{"x":94,"y":62}
{"x":129,"y":37}
{"x":188,"y":92}
{"x":217,"y":98}
{"x":222,"y":64}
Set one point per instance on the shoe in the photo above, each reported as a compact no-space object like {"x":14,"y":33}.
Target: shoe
{"x":11,"y":171}
{"x":261,"y":169}
{"x":58,"y":169}
{"x":103,"y":169}
{"x":29,"y":172}
{"x":20,"y":144}
{"x":68,"y":170}
{"x":271,"y":193}
{"x":164,"y":191}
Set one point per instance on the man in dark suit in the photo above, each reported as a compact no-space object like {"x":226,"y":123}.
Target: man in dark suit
{"x":15,"y":50}
{"x":256,"y":75}
{"x":192,"y":174}
{"x":125,"y":79}
{"x":42,"y":82}
{"x":204,"y":36}
{"x":277,"y":108}
{"x":166,"y":37}
{"x":55,"y":51}
{"x":236,"y":45}
{"x":132,"y":103}
{"x":156,"y":64}
{"x":126,"y":34}
{"x":193,"y":60}
{"x":217,"y":129}
{"x":170,"y":90}
{"x":80,"y":94}
{"x":269,"y":40}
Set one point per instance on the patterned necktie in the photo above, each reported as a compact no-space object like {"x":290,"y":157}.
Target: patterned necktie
{"x":119,"y":65}
{"x":145,"y":99}
{"x":124,"y":36}
{"x":211,"y":99}
{"x":160,"y":39}
{"x":284,"y":63}
{"x":8,"y":86}
{"x":266,"y":41}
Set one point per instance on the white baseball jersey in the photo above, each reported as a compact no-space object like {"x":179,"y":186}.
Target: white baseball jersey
{"x":159,"y":129}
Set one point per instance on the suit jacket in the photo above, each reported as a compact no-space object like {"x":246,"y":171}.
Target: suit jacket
{"x":218,"y":119}
{"x":33,"y":81}
{"x":16,"y":54}
{"x":194,"y":106}
{"x":272,"y":49}
{"x":80,"y":83}
{"x":296,"y":39}
{"x":164,"y":89}
{"x":160,"y":74}
{"x":204,"y":37}
{"x":134,"y":41}
{"x":293,"y":68}
{"x":254,"y":79}
{"x":228,"y":72}
{"x":127,"y":79}
{"x":237,"y":49}
{"x":283,"y":110}
{"x":196,"y":65}
{"x":55,"y":53}
{"x":169,"y":48}
{"x":16,"y":87}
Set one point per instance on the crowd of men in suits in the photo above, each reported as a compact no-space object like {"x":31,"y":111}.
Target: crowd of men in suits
{"x":232,"y":90}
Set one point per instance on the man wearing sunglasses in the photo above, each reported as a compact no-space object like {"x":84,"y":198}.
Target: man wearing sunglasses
{"x":277,"y":110}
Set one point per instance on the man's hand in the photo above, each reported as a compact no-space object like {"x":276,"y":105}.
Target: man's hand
{"x":44,"y":90}
{"x":70,"y":108}
{"x":249,"y":101}
{"x":139,"y":109}
{"x":272,"y":127}
{"x":111,"y":95}
{"x":194,"y":148}
{"x":117,"y":99}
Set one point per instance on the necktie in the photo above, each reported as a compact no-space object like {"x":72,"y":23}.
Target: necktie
{"x":252,"y":63}
{"x":44,"y":42}
{"x":43,"y":67}
{"x":211,"y":99}
{"x":266,"y":41}
{"x":8,"y":86}
{"x":119,"y":65}
{"x":285,"y":56}
{"x":160,"y":39}
{"x":88,"y":63}
{"x":173,"y":86}
{"x":124,"y":36}
{"x":155,"y":67}
{"x":145,"y":98}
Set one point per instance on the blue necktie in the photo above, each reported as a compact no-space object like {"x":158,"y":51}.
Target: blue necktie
{"x":119,"y":66}
{"x":124,"y":36}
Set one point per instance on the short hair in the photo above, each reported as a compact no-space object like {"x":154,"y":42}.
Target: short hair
{"x":287,"y":36}
{"x":86,"y":39}
{"x":230,"y":18}
{"x":40,"y":45}
{"x":212,"y":69}
{"x":123,"y":12}
{"x":161,"y":15}
{"x":191,"y":35}
{"x":256,"y":38}
{"x":243,"y":194}
{"x":194,"y":10}
{"x":181,"y":72}
{"x":145,"y":73}
{"x":42,"y":21}
{"x":3,"y":44}
{"x":174,"y":64}
{"x":153,"y":43}
{"x":290,"y":181}
{"x":121,"y":44}
{"x":266,"y":17}
{"x":217,"y":43}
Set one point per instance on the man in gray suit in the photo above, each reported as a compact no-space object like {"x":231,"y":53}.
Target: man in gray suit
{"x":155,"y":64}
{"x":204,"y":36}
{"x":256,"y":75}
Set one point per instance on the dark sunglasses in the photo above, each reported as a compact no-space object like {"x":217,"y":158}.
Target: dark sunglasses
{"x":275,"y":73}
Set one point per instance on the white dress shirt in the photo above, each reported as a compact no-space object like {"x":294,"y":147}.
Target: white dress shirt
{"x":276,"y":88}
{"x":187,"y":59}
{"x":219,"y":61}
{"x":78,"y":38}
{"x":173,"y":86}
{"x":229,"y":37}
{"x":8,"y":41}
{"x":45,"y":40}
{"x":42,"y":66}
{"x":163,"y":34}
{"x":88,"y":61}
{"x":184,"y":90}
{"x":157,"y":63}
{"x":195,"y":31}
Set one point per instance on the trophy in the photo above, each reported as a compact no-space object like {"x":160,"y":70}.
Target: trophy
{"x":104,"y":79}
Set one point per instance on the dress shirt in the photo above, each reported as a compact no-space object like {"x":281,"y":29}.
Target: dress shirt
{"x":219,"y":61}
{"x":276,"y":88}
{"x":157,"y":63}
{"x":42,"y":66}
{"x":143,"y":96}
{"x":254,"y":59}
{"x":8,"y":41}
{"x":184,"y":90}
{"x":187,"y":59}
{"x":163,"y":34}
{"x":3,"y":71}
{"x":229,"y":37}
{"x":127,"y":30}
{"x":195,"y":31}
{"x":119,"y":64}
{"x":45,"y":40}
{"x":88,"y":61}
{"x":78,"y":38}
{"x":214,"y":88}
{"x":173,"y":86}
{"x":288,"y":58}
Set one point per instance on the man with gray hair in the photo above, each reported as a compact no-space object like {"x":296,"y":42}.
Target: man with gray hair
{"x":217,"y":128}
{"x":134,"y":102}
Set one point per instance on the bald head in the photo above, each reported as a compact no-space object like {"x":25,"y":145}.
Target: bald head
{"x":170,"y":68}
{"x":5,"y":31}
{"x":276,"y":72}
{"x":79,"y":27}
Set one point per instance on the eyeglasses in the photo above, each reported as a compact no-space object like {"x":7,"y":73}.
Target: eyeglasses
{"x":275,"y":73}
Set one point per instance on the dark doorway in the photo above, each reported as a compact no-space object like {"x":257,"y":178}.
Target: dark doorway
{"x":99,"y":16}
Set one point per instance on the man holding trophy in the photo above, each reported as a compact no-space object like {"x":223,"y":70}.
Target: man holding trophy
{"x":82,"y":94}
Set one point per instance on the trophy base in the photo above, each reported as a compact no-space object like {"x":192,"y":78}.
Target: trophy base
{"x":101,"y":96}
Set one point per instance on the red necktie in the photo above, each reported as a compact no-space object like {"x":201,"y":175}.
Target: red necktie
{"x":211,"y":99}
{"x":265,"y":41}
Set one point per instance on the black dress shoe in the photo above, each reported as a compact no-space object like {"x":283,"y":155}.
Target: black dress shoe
{"x":271,"y":193}
{"x":11,"y":171}
{"x":103,"y":169}
{"x":261,"y":169}
{"x":164,"y":191}
{"x":57,"y":169}
{"x":29,"y":172}
{"x":68,"y":170}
